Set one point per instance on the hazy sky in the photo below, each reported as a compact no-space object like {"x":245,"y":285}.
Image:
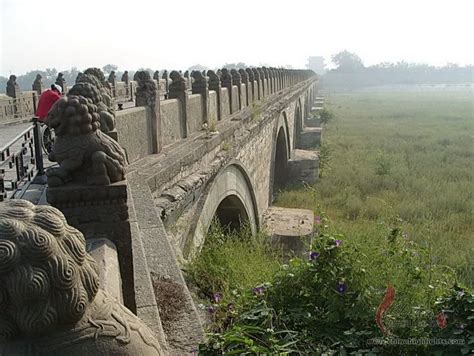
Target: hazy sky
{"x":175,"y":34}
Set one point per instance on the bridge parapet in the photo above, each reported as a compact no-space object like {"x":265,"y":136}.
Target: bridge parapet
{"x":186,"y":109}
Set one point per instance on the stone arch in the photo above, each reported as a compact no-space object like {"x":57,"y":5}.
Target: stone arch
{"x":298,"y":124}
{"x":281,"y":153}
{"x":231,"y":197}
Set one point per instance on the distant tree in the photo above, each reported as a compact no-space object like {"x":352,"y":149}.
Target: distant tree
{"x":316,"y":64}
{"x":347,"y":62}
{"x":198,"y":67}
{"x":109,"y":67}
{"x":235,"y":65}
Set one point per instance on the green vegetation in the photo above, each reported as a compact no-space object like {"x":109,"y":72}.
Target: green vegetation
{"x":405,"y":154}
{"x":394,"y":208}
{"x":232,"y":261}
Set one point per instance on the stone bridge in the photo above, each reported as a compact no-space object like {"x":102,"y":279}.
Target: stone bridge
{"x":217,"y":147}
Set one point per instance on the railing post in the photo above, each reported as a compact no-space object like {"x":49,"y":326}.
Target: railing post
{"x":256,"y":75}
{"x":237,"y":80}
{"x":178,"y":90}
{"x":200,"y":86}
{"x":37,"y":143}
{"x":226,"y":82}
{"x":215,"y":84}
{"x":146,"y":95}
{"x":245,"y":80}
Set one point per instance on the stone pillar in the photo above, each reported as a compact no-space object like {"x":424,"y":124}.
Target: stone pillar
{"x":177,"y":90}
{"x":226,"y":82}
{"x":100,"y":212}
{"x":13,"y":89}
{"x":215,"y":84}
{"x":256,"y":76}
{"x":237,"y":80}
{"x":61,"y":82}
{"x":200,"y":86}
{"x":156,"y":75}
{"x":278,"y":78}
{"x":38,"y":84}
{"x":165,"y":77}
{"x":187,"y":78}
{"x":126,"y":80}
{"x":267,"y":80}
{"x":251,"y":79}
{"x":274,"y":79}
{"x":113,"y":82}
{"x":262,"y":88}
{"x":270,"y":80}
{"x":147,"y":95}
{"x":245,"y":80}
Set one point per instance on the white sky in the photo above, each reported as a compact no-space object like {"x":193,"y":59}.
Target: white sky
{"x":175,"y":34}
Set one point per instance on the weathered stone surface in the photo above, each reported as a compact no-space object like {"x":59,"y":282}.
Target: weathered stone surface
{"x":65,"y":313}
{"x":304,"y":166}
{"x":104,"y":252}
{"x":310,"y":138}
{"x":135,"y":135}
{"x":288,"y":228}
{"x":215,"y":85}
{"x":146,"y":95}
{"x":181,"y":324}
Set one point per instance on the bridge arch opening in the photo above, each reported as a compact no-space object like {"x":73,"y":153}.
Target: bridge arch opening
{"x":231,"y":199}
{"x":231,"y":213}
{"x":298,"y":125}
{"x":280,"y":174}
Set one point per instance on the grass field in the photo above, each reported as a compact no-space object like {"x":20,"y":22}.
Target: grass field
{"x":406,"y":155}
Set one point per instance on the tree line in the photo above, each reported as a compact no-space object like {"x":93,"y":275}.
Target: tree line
{"x":350,"y":73}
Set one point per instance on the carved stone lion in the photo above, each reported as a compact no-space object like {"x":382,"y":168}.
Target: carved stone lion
{"x":101,"y":95}
{"x":50,"y":302}
{"x":83,"y":152}
{"x":146,"y":89}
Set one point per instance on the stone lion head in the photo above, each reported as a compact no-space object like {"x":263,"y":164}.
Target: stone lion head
{"x":73,"y":115}
{"x":47,"y":279}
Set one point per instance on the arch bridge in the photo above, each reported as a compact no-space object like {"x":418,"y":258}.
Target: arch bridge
{"x":218,"y":145}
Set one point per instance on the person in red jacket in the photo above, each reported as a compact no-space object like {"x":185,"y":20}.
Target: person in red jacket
{"x":47,"y":100}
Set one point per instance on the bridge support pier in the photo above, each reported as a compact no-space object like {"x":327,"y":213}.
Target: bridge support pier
{"x":304,"y":166}
{"x":289,"y":229}
{"x":310,"y":138}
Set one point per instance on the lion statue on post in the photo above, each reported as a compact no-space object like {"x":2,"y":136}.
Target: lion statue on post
{"x":84,"y":153}
{"x":50,"y":301}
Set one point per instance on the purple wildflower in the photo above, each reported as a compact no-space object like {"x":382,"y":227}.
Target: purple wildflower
{"x":338,"y":243}
{"x":216,"y":298}
{"x":314,"y":255}
{"x":259,"y":290}
{"x":211,"y":309}
{"x":317,"y":220}
{"x":341,"y":288}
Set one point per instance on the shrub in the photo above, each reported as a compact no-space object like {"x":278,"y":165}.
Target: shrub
{"x":325,"y":116}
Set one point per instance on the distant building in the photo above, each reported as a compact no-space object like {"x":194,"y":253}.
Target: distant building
{"x":316,"y":63}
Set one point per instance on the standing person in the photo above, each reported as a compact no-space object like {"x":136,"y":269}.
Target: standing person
{"x":47,"y":100}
